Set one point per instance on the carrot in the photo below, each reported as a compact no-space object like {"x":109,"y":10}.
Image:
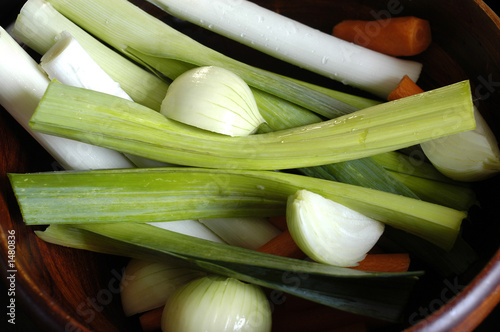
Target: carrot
{"x":151,"y":320}
{"x":384,"y":263}
{"x":405,"y":88}
{"x":399,"y":36}
{"x":282,"y":245}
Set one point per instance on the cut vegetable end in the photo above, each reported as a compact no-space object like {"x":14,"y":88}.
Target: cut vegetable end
{"x":215,"y":99}
{"x":396,"y":36}
{"x":329,"y":232}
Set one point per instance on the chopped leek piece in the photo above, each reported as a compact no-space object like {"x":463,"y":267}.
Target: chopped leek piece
{"x":215,"y":99}
{"x":189,"y":227}
{"x":38,"y":24}
{"x":297,"y":43}
{"x":69,"y":63}
{"x":162,"y":194}
{"x":217,"y":304}
{"x":131,"y":30}
{"x":22,"y":85}
{"x":250,"y":233}
{"x":329,"y":232}
{"x":128,"y":127}
{"x":147,"y":285}
{"x":469,"y":156}
{"x":380,"y":295}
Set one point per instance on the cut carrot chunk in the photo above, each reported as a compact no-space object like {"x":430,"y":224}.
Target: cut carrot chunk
{"x":399,"y":36}
{"x":405,"y":88}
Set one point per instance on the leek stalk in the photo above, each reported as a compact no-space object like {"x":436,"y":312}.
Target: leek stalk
{"x":162,"y":194}
{"x":250,"y":233}
{"x":380,"y":295}
{"x":68,"y":62}
{"x":38,"y":24}
{"x":279,"y":114}
{"x":128,"y":127}
{"x":291,"y":41}
{"x":131,"y":30}
{"x":22,"y":85}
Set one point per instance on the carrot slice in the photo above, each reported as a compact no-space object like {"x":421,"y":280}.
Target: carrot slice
{"x":151,"y":320}
{"x":384,"y":263}
{"x":282,"y":245}
{"x":398,"y":36}
{"x":405,"y":88}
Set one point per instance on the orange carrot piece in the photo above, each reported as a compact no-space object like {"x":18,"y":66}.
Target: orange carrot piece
{"x":398,"y":36}
{"x":384,"y":263}
{"x":405,"y":88}
{"x":282,"y":245}
{"x":151,"y":320}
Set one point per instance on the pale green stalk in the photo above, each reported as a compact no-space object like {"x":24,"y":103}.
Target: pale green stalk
{"x":132,"y":128}
{"x":38,"y":24}
{"x":279,"y":113}
{"x":162,"y":194}
{"x":22,"y":85}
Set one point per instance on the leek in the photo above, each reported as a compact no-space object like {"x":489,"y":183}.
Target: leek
{"x":131,"y":31}
{"x":291,"y":41}
{"x":38,"y":25}
{"x":163,"y":194}
{"x":128,"y":127}
{"x":22,"y":85}
{"x":218,"y":304}
{"x":278,"y":113}
{"x":69,"y":63}
{"x":380,"y":295}
{"x":250,"y":233}
{"x":189,"y":227}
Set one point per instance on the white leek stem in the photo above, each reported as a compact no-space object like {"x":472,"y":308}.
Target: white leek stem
{"x":329,"y":232}
{"x":38,"y":25}
{"x":190,"y":227}
{"x":69,"y":63}
{"x":468,"y":156}
{"x":296,"y":43}
{"x":22,"y":85}
{"x":250,"y":233}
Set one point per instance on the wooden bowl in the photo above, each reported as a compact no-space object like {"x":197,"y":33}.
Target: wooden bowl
{"x":61,"y":289}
